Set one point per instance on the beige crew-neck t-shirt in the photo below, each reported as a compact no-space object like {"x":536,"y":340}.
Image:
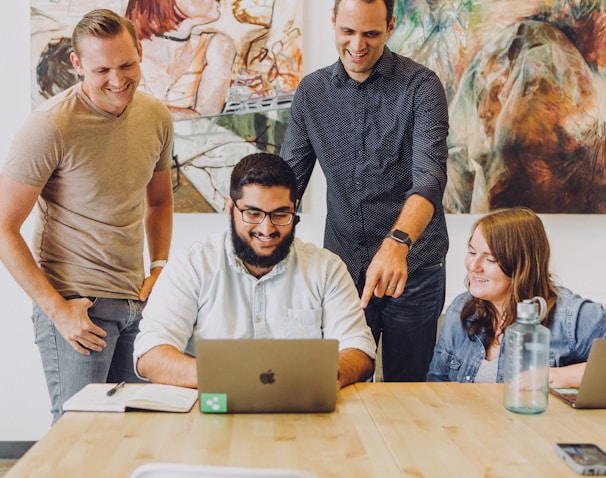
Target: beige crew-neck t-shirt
{"x":93,"y":168}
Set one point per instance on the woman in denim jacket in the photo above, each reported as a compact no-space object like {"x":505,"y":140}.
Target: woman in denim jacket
{"x":508,"y":261}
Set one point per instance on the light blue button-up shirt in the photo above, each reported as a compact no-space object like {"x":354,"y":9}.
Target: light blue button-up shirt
{"x":576,"y":323}
{"x":206,"y":292}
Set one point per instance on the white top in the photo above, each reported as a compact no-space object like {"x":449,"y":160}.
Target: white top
{"x":487,"y":373}
{"x":206,"y":292}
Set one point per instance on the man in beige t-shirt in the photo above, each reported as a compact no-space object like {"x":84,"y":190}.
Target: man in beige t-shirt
{"x":96,"y":161}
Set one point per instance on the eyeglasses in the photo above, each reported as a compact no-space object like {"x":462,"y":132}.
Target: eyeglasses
{"x":257,"y":216}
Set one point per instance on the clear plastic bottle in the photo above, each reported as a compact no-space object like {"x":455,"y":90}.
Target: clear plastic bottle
{"x":526,"y":361}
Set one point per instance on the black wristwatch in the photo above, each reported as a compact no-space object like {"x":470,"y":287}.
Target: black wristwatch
{"x":400,"y":236}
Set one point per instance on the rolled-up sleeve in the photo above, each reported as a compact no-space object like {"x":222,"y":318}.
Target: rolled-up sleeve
{"x":170,"y":315}
{"x":429,"y":149}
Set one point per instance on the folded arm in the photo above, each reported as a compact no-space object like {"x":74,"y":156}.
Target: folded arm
{"x":166,"y":364}
{"x":565,"y":377}
{"x":354,"y":366}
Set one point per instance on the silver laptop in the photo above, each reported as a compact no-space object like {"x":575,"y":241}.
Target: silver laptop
{"x":592,"y":391}
{"x":267,"y":375}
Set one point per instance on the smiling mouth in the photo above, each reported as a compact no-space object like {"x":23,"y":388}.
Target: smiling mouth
{"x":119,"y":90}
{"x":266,"y":239}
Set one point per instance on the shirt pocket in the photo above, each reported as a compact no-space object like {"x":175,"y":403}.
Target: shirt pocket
{"x":453,"y":363}
{"x":302,"y":324}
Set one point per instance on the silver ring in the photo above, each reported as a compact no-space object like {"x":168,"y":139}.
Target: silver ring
{"x":389,"y":287}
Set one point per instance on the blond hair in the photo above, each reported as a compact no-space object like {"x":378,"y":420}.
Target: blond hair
{"x":102,"y":23}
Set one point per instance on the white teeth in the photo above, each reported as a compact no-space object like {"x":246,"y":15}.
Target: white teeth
{"x":357,"y":55}
{"x":264,"y":239}
{"x":118,"y":90}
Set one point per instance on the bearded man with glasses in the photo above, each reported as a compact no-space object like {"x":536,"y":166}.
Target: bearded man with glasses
{"x":255,"y":281}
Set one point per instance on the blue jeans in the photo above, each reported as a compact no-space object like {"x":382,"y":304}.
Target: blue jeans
{"x":68,"y":371}
{"x":408,"y":324}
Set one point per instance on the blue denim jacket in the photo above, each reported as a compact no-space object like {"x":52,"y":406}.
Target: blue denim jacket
{"x":576,"y":322}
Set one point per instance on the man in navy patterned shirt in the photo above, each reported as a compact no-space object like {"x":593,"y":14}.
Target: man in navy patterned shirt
{"x":377,"y":123}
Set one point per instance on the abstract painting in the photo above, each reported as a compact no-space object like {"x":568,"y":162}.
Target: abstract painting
{"x":226,"y":69}
{"x":525,"y":82}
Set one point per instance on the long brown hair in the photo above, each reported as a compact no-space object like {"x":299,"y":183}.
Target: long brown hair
{"x":517,"y":240}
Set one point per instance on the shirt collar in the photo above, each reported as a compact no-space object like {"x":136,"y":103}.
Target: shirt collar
{"x":383,"y":67}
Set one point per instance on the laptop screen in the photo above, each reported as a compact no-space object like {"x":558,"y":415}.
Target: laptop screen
{"x":592,"y":391}
{"x":267,"y":375}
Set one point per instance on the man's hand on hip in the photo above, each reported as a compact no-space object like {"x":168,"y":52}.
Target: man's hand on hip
{"x":74,"y":324}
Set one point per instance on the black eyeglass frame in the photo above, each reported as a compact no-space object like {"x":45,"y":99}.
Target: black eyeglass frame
{"x":292,"y":215}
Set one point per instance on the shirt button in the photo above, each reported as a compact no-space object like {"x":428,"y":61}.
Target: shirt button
{"x":258,"y":319}
{"x":468,"y":378}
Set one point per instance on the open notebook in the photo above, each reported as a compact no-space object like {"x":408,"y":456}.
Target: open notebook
{"x":592,"y":391}
{"x":150,"y":396}
{"x":267,"y":375}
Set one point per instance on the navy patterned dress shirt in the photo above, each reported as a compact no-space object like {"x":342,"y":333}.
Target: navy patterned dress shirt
{"x":378,"y":142}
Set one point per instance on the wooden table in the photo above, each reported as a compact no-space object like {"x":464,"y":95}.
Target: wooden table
{"x":345,"y":443}
{"x":378,"y":430}
{"x":463,"y":430}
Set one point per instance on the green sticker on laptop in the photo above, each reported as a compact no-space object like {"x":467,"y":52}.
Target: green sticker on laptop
{"x":567,"y":391}
{"x":213,"y":402}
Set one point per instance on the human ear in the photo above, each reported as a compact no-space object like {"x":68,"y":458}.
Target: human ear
{"x":76,"y":63}
{"x":229,"y":206}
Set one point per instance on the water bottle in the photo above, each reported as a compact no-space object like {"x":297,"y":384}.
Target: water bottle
{"x":526,"y":361}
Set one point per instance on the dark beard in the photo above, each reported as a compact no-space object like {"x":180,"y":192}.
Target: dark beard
{"x":247,"y":254}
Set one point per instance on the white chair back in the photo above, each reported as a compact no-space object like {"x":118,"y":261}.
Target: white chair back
{"x":174,"y":470}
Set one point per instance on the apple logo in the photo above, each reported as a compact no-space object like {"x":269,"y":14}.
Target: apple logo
{"x":267,"y":377}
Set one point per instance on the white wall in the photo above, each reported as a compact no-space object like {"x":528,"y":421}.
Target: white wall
{"x":579,"y":259}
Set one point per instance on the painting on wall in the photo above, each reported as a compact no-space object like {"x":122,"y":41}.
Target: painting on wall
{"x":226,"y":69}
{"x":525,"y":81}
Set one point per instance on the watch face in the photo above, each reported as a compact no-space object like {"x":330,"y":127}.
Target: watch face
{"x":401,"y":236}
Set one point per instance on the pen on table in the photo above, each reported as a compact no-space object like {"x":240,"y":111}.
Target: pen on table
{"x":114,"y":389}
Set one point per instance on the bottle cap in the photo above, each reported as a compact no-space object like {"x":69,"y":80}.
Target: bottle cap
{"x":529,"y":310}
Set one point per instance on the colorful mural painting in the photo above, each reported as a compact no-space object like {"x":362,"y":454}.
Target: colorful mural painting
{"x":227,"y":70}
{"x":525,"y":81}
